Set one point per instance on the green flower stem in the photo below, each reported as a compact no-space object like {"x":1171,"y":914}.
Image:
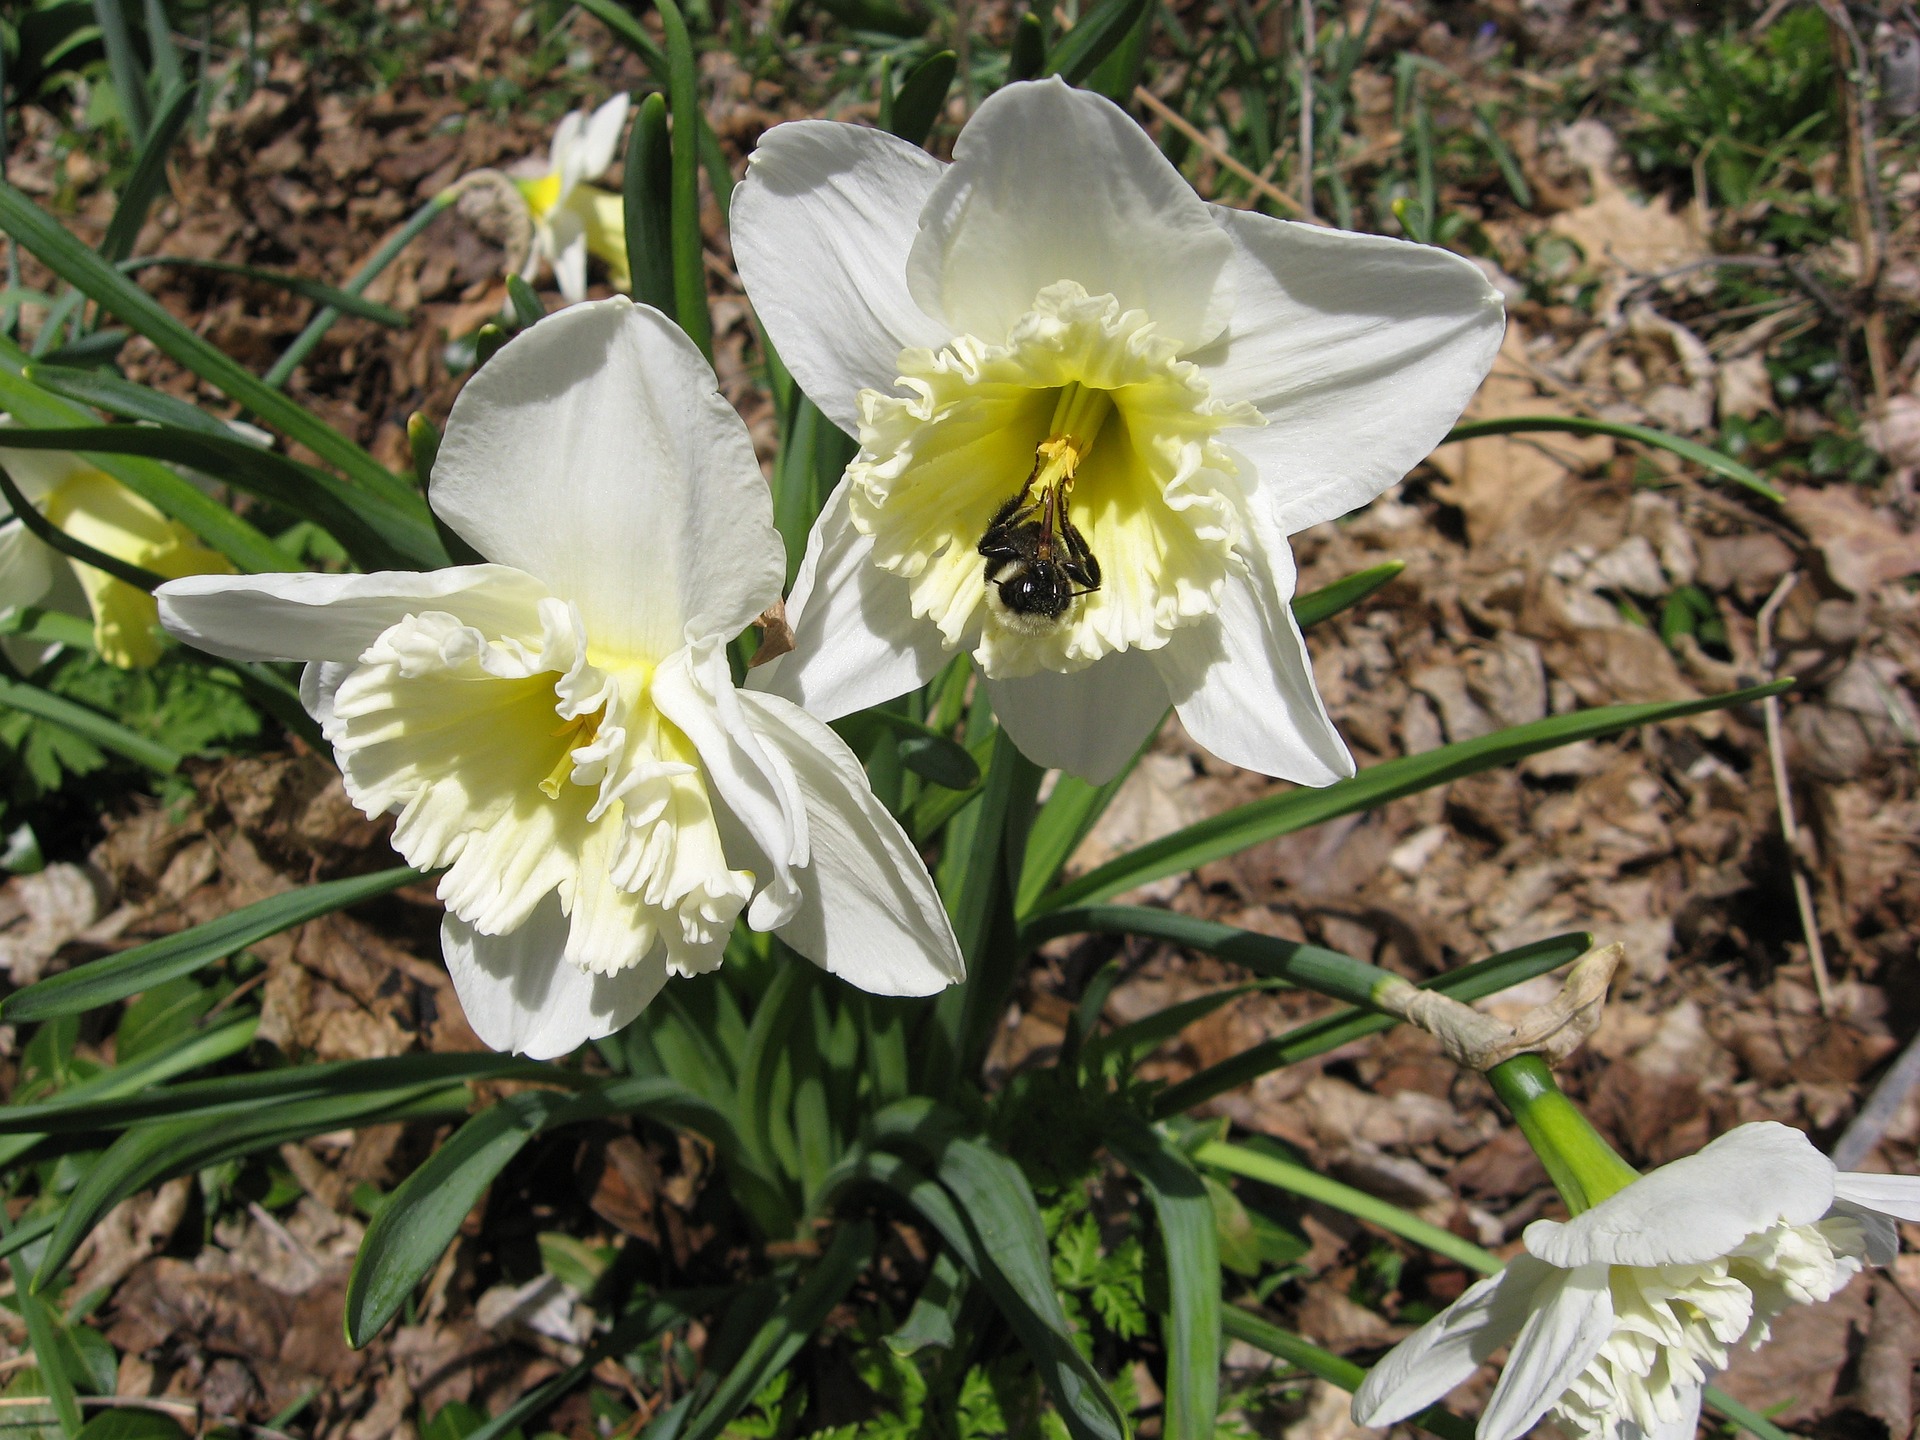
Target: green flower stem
{"x":323,"y":318}
{"x":1583,"y":1167}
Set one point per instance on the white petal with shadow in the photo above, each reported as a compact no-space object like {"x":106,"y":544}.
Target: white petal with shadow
{"x":868,"y":911}
{"x":1450,"y":1347}
{"x":521,"y":995}
{"x":822,"y":226}
{"x":1243,"y":686}
{"x":856,"y":641}
{"x":1571,"y":1319}
{"x":1360,"y":350}
{"x":1699,"y":1207}
{"x":595,"y":453}
{"x":1050,"y":183}
{"x":336,"y":617}
{"x":1088,"y":723}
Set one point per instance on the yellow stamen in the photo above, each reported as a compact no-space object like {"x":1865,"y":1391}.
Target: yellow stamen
{"x":1078,"y":416}
{"x":562,"y":770}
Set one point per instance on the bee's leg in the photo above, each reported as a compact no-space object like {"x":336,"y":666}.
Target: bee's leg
{"x":1080,"y":565}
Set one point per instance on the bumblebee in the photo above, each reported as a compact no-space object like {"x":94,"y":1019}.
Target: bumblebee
{"x":1038,"y":562}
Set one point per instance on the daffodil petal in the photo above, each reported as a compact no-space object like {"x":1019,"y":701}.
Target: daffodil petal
{"x":1685,"y":1424}
{"x":26,"y":566}
{"x":565,"y":142}
{"x":599,"y":137}
{"x":594,"y":453}
{"x":570,"y":261}
{"x":1359,"y":350}
{"x":334,"y":617}
{"x":868,"y":911}
{"x":1450,"y":1347}
{"x":760,"y":804}
{"x":1895,"y":1195}
{"x":1698,"y":1207}
{"x":1572,"y":1316}
{"x":856,"y":641}
{"x":520,"y":995}
{"x":1050,"y":183}
{"x":1244,"y":687}
{"x":1087,"y":723}
{"x":822,"y":226}
{"x":1879,"y":1236}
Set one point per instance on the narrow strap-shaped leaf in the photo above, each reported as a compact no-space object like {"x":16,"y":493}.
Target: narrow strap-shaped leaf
{"x":646,"y":191}
{"x":1075,"y":806}
{"x":982,"y":909}
{"x":1318,"y":606}
{"x":1270,"y":1169}
{"x":1099,"y":31}
{"x":1236,"y":829}
{"x":1311,"y":967}
{"x":1032,"y":1310}
{"x":922,"y":96}
{"x":90,"y":725}
{"x":323,"y":319}
{"x":1246,"y":1326}
{"x":1131,"y":1043}
{"x":119,"y":396}
{"x":204,"y":1101}
{"x":527,"y":307}
{"x":1708,"y":459}
{"x":345,"y":301}
{"x":148,"y":1154}
{"x":123,"y":60}
{"x":127,"y":302}
{"x":1188,"y":1231}
{"x":131,"y":971}
{"x":53,"y":1359}
{"x":1316,"y":1037}
{"x":28,"y":1231}
{"x":774,"y":1018}
{"x":47,"y":627}
{"x":29,"y":404}
{"x":379,"y":534}
{"x":421,"y":1216}
{"x":1752,"y":1421}
{"x":689,"y":258}
{"x":225,"y":1037}
{"x":617,"y":18}
{"x":790,"y":1327}
{"x":931,"y":1322}
{"x":923,"y":750}
{"x":148,"y":180}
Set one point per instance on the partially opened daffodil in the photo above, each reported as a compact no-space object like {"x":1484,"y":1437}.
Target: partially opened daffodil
{"x":97,"y":510}
{"x":559,"y":728}
{"x":1619,"y":1317}
{"x":1091,"y":409}
{"x":572,"y":218}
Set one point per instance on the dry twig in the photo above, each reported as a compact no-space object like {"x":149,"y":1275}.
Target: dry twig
{"x":1226,"y":162}
{"x":1783,"y":794}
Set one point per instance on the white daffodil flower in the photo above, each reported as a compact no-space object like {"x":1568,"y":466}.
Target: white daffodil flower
{"x":1091,"y":409}
{"x":1618,"y":1317}
{"x":572,"y":218}
{"x":97,"y":510}
{"x":559,"y":728}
